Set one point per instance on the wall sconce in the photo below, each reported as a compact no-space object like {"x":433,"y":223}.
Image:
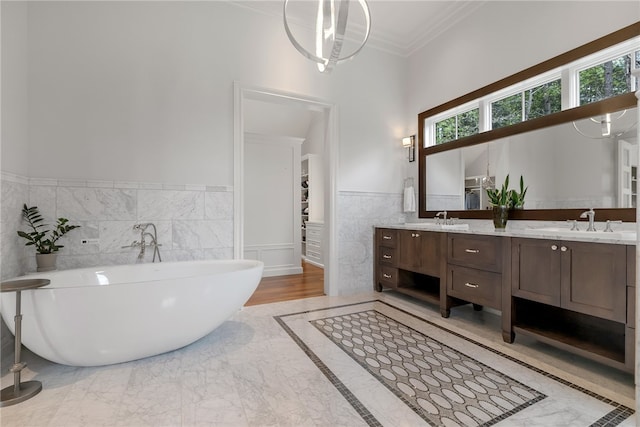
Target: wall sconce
{"x":410,"y":143}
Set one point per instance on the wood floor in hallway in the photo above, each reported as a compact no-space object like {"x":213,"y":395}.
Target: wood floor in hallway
{"x":284,"y":288}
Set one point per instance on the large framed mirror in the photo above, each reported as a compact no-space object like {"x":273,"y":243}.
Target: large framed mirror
{"x":568,"y":160}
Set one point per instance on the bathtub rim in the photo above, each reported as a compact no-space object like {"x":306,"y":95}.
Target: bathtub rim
{"x":51,"y":275}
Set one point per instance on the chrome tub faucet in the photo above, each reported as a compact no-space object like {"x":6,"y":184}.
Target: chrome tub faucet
{"x":153,"y":237}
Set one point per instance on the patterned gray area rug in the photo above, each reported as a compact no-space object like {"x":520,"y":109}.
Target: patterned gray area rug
{"x":440,"y":384}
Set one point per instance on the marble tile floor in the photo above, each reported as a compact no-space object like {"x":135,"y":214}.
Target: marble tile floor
{"x":274,"y":365}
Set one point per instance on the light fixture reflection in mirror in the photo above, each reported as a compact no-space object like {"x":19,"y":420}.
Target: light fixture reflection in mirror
{"x":607,"y":125}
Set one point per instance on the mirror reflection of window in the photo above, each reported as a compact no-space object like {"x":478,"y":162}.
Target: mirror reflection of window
{"x":562,"y":168}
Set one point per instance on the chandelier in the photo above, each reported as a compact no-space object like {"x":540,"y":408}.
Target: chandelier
{"x":330,"y":28}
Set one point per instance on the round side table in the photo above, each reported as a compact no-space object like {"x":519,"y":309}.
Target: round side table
{"x":19,"y":391}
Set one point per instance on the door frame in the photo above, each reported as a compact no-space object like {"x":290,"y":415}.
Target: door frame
{"x":244,"y":92}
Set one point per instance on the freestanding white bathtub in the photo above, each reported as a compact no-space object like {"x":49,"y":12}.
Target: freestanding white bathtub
{"x":101,"y":316}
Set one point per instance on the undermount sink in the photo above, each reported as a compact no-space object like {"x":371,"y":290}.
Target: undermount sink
{"x":566,"y":232}
{"x":434,"y":226}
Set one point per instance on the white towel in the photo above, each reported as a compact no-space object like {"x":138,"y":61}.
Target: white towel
{"x":409,"y":199}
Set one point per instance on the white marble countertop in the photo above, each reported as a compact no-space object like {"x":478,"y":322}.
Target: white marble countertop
{"x":623,"y":234}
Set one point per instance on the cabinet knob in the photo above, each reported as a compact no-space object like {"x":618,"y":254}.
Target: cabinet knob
{"x":471,"y":285}
{"x":554,"y":247}
{"x":387,"y":276}
{"x":415,"y":234}
{"x":472,"y":251}
{"x":563,"y":249}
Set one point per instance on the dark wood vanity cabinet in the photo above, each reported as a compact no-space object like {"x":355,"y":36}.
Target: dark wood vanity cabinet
{"x":573,"y":295}
{"x":411,"y":262}
{"x":578,"y":296}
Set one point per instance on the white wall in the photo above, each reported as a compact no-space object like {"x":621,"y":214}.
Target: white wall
{"x":272,"y":203}
{"x":503,"y":38}
{"x":14,"y":135}
{"x":142,"y":91}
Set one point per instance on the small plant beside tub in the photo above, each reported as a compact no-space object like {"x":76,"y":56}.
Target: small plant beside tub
{"x":44,"y":240}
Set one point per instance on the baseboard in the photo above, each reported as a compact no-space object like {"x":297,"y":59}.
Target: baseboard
{"x":281,"y":271}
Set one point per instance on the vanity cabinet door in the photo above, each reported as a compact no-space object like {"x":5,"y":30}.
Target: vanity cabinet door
{"x":419,"y":251}
{"x":594,"y":277}
{"x":535,"y":269}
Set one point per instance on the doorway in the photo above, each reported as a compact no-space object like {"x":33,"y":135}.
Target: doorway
{"x":243,"y":95}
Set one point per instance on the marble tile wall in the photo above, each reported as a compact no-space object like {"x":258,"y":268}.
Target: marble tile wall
{"x":193,"y":222}
{"x":14,"y":192}
{"x":357,"y":214}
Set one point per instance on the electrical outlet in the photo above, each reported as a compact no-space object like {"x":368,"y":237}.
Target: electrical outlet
{"x":89,"y":241}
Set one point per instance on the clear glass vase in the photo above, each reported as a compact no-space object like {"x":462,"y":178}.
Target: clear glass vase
{"x":500,"y":217}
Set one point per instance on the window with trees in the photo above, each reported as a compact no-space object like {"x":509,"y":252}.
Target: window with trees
{"x":538,"y":101}
{"x":457,"y":126}
{"x":600,"y":76}
{"x":607,"y":79}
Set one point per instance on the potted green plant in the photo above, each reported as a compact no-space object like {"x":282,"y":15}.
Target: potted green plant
{"x":501,"y":201}
{"x":44,"y":240}
{"x":517,"y":197}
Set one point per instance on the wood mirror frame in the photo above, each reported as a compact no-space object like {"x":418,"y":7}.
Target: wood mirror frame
{"x":617,"y":103}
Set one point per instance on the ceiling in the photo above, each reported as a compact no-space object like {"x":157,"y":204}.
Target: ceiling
{"x":397,"y":26}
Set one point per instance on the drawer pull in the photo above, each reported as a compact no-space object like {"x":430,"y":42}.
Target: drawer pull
{"x":563,"y":248}
{"x":554,"y":247}
{"x":387,"y":276}
{"x":472,"y":251}
{"x":415,"y":234}
{"x":387,"y":237}
{"x":386,"y":256}
{"x":471,"y":285}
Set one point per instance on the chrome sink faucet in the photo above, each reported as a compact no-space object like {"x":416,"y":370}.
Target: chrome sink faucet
{"x":591,"y":215}
{"x":442,"y":214}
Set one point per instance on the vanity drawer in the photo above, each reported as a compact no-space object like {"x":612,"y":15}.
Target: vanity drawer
{"x":387,"y":237}
{"x":387,"y":255}
{"x":482,"y":252}
{"x":476,"y":286}
{"x":388,"y":276}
